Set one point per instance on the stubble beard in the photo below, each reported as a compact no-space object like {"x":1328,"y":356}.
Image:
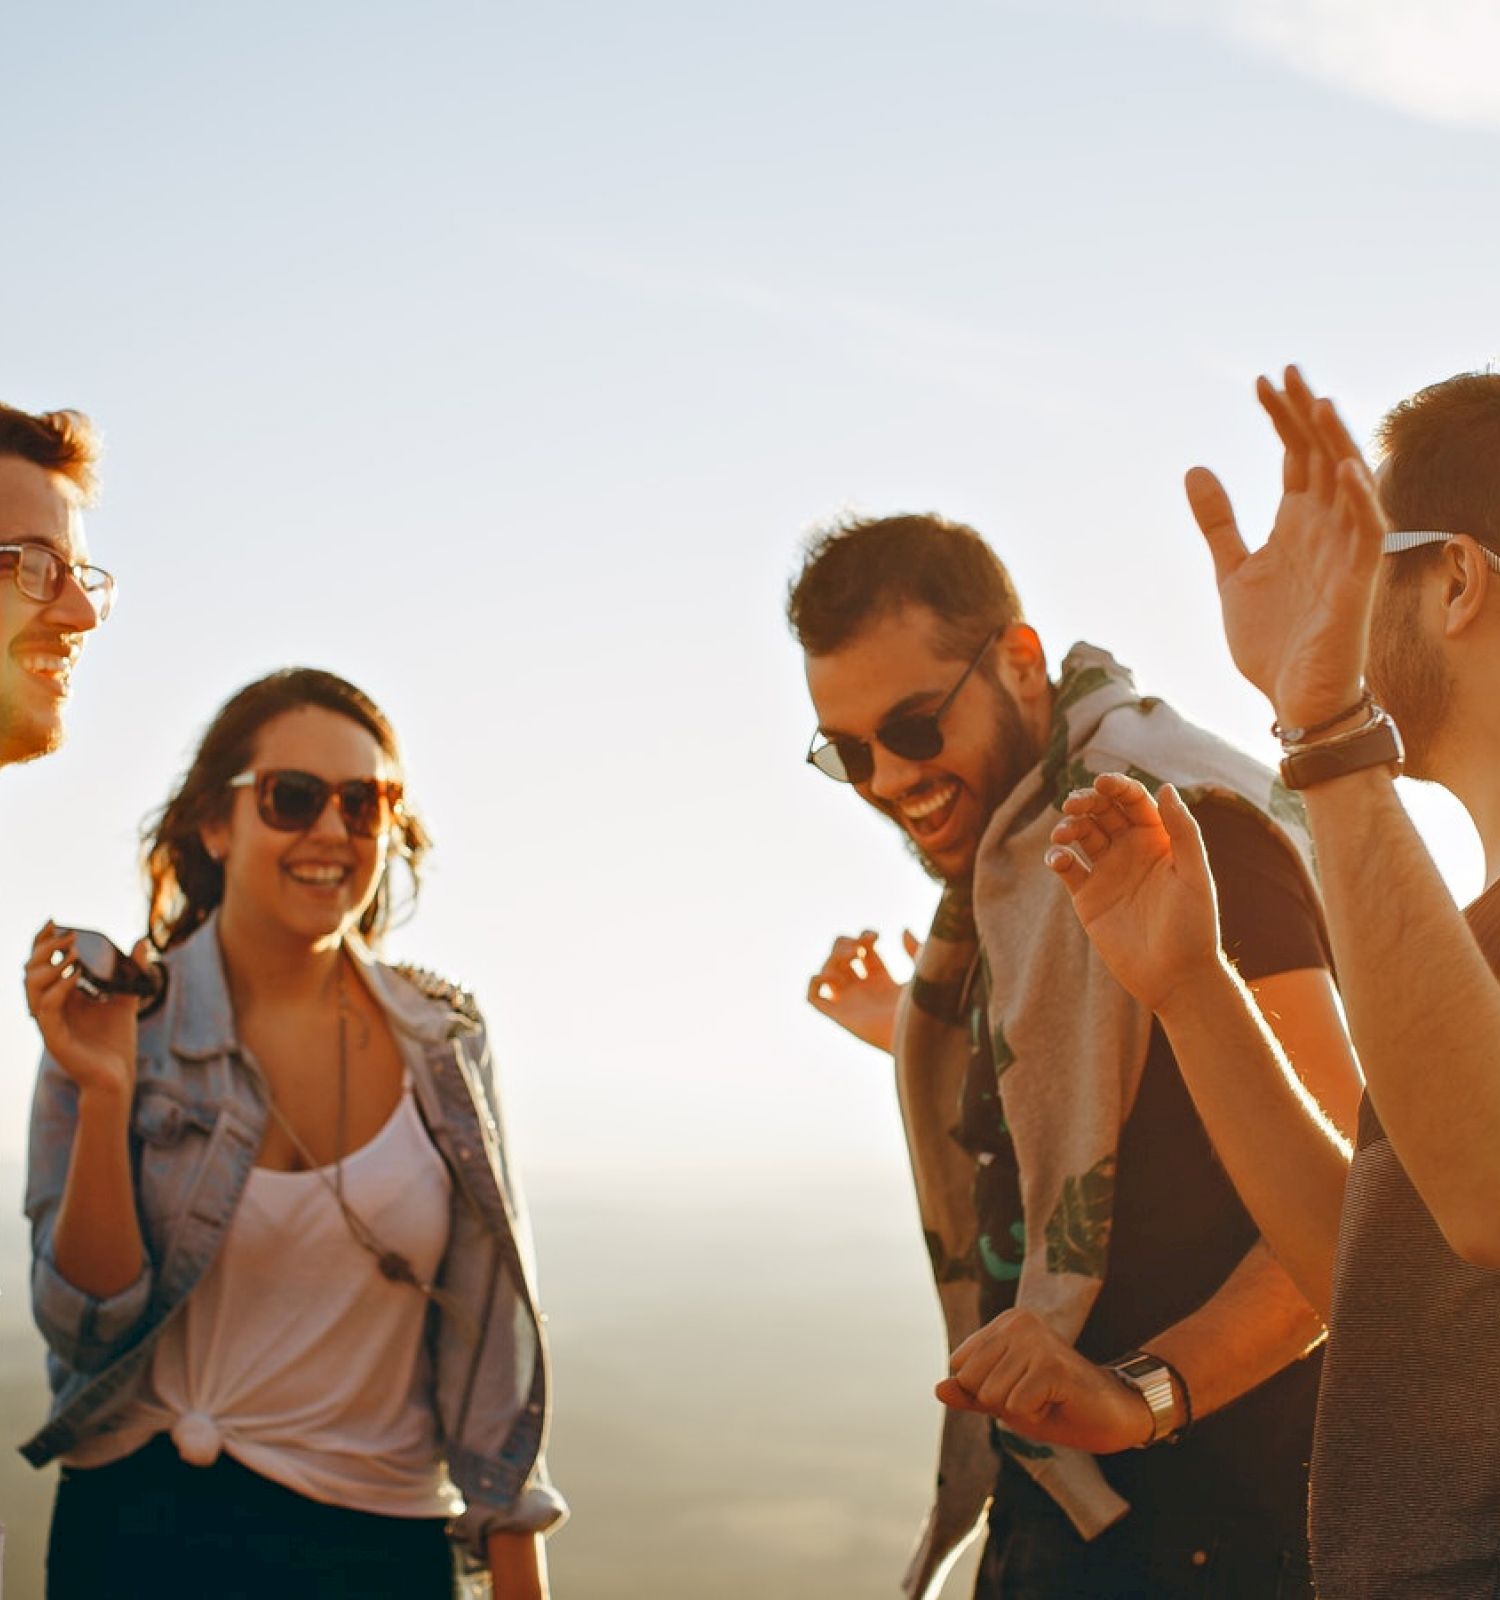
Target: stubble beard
{"x":1011,"y":755}
{"x":25,"y":738}
{"x":1408,"y":678}
{"x":29,"y":727}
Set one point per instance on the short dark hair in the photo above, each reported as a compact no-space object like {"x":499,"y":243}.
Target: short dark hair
{"x":185,"y":882}
{"x":858,"y":571}
{"x":62,"y":441}
{"x":1441,"y":450}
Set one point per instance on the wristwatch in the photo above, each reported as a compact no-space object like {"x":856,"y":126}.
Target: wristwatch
{"x":1152,"y":1379}
{"x":1375,"y":743}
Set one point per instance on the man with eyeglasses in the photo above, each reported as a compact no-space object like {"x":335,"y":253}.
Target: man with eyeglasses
{"x":50,"y":598}
{"x":1103,"y":1287}
{"x":1373,"y":605}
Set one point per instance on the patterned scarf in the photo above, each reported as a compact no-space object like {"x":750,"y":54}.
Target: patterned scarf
{"x":1069,"y":1047}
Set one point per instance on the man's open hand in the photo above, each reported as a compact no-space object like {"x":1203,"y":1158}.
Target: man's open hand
{"x":1147,"y":903}
{"x":855,"y":988}
{"x":1297,"y":611}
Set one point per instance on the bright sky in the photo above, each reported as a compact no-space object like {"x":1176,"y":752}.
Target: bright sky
{"x":497,"y":357}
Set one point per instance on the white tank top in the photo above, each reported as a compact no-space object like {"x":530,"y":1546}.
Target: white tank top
{"x":296,"y":1355}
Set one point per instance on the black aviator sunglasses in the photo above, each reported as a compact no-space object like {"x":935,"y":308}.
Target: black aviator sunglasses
{"x":916,"y":736}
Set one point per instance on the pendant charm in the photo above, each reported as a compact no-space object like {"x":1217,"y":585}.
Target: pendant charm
{"x":397,"y":1268}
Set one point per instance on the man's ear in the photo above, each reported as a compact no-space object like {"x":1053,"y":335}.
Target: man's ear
{"x":1024,"y":661}
{"x":1467,"y":581}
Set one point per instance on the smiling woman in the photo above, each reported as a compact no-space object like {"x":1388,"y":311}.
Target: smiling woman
{"x":274,"y":1221}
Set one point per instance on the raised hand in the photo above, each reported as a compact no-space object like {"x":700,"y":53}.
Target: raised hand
{"x":856,"y":989}
{"x":1019,"y":1371}
{"x":93,"y":1041}
{"x":1297,"y":611}
{"x":1147,"y":902}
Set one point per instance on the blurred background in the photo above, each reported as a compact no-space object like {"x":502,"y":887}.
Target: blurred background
{"x":498,"y":356}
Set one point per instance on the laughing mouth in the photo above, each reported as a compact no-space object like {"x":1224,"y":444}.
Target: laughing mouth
{"x":318,"y":874}
{"x":927,"y":812}
{"x":50,"y":662}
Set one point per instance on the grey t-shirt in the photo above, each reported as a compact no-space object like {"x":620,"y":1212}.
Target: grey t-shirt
{"x":1406,"y":1457}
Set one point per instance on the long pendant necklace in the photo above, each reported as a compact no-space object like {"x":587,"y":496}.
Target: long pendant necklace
{"x":392,"y":1264}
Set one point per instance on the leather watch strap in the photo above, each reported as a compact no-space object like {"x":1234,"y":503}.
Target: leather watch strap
{"x":1376,"y":744}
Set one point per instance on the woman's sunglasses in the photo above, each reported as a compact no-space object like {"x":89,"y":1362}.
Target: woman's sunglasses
{"x":291,"y":802}
{"x":915,"y":737}
{"x":40,"y":574}
{"x":104,"y":969}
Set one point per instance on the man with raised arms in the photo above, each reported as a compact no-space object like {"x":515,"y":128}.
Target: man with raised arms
{"x":50,"y":597}
{"x":1104,"y":1288}
{"x":1374,"y":603}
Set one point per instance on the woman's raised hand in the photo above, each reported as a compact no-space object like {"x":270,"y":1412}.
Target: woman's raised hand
{"x":92,"y":1040}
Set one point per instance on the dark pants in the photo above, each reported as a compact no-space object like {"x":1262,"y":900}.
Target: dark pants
{"x":1034,"y":1554}
{"x":150,"y":1527}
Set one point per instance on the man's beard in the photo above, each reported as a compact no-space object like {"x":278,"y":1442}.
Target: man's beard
{"x":915,"y":851}
{"x":24,"y":738}
{"x":1407,"y":675}
{"x":1011,"y":755}
{"x":29,"y":729}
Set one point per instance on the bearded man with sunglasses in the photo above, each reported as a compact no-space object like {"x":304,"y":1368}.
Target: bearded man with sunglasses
{"x":50,"y":598}
{"x":1103,"y":1287}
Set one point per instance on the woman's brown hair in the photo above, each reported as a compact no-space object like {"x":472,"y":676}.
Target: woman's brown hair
{"x":184,"y":881}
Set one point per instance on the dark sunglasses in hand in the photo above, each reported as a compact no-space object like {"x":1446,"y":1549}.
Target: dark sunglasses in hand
{"x":104,"y":969}
{"x":291,"y":802}
{"x":40,"y":573}
{"x":915,"y":736}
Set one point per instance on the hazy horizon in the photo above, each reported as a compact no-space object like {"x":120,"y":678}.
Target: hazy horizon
{"x":743,"y":1387}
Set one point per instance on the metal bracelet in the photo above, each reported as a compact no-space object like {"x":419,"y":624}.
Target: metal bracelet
{"x":1292,"y":737}
{"x":1377,"y":715}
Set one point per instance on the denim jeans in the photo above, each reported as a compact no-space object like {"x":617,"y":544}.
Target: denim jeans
{"x":1033,"y":1554}
{"x":150,"y":1527}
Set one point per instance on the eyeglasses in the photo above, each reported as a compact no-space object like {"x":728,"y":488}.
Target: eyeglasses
{"x":1394,"y":543}
{"x":915,"y":736}
{"x":40,"y":574}
{"x":291,"y":802}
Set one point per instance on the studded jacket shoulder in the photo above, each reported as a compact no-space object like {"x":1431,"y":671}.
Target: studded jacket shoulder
{"x":445,"y":990}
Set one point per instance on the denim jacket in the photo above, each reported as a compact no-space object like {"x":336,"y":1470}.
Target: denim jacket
{"x":197,"y":1123}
